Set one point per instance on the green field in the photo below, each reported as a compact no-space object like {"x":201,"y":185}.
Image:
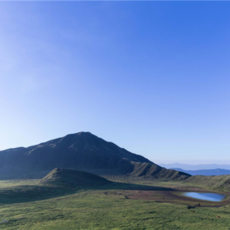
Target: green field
{"x":28,"y":205}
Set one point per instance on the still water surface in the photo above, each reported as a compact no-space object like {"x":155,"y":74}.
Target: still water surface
{"x":205,"y":196}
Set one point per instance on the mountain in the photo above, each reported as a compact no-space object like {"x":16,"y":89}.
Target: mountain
{"x":73,"y":178}
{"x":196,"y":167}
{"x":81,"y":151}
{"x":205,"y":172}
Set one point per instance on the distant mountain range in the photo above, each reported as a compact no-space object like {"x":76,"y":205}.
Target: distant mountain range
{"x":81,"y":151}
{"x":196,"y":167}
{"x":205,"y":172}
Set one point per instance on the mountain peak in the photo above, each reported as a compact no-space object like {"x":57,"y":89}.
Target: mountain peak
{"x":80,"y":151}
{"x":83,"y":133}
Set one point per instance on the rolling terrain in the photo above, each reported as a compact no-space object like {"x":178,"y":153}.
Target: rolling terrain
{"x":220,"y":183}
{"x":53,"y":204}
{"x":73,"y":199}
{"x":73,"y":178}
{"x":81,"y":151}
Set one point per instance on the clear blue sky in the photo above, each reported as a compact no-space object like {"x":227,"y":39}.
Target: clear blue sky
{"x":152,"y":77}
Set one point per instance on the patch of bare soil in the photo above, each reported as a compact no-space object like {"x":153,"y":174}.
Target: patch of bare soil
{"x":174,"y":197}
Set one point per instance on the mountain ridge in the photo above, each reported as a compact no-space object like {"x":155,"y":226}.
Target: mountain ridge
{"x":81,"y":151}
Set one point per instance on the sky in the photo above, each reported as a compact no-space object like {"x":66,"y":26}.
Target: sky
{"x":152,"y":77}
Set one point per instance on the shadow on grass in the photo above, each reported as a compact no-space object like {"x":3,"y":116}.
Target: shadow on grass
{"x":129,"y":186}
{"x":29,"y":193}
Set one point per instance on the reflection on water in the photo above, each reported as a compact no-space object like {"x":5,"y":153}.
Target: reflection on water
{"x":205,"y":196}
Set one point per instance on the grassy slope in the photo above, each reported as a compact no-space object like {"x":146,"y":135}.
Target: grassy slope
{"x":73,"y":178}
{"x":156,"y":172}
{"x":221,"y":183}
{"x":92,"y":209}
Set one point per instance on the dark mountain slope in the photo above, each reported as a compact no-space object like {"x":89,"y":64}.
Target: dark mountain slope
{"x":82,"y":151}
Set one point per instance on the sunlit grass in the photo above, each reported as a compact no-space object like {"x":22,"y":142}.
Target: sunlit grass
{"x":93,"y":209}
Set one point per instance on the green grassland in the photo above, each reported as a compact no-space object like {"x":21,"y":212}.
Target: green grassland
{"x":32,"y":205}
{"x":220,"y":183}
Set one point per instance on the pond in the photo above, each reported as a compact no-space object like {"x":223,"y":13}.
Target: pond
{"x":205,"y":196}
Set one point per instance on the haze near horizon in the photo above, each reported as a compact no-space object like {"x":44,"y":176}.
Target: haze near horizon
{"x":152,"y":77}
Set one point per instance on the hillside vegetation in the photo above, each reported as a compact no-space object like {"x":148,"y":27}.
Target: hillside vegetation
{"x":156,"y":172}
{"x":73,"y":178}
{"x":221,"y":183}
{"x":41,"y":207}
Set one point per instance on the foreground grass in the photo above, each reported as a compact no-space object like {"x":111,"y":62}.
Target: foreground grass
{"x":93,"y":209}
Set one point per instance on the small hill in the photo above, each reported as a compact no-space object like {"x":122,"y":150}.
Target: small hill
{"x":73,"y":178}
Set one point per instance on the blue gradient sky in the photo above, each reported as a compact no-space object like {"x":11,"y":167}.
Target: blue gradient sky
{"x":152,"y":77}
